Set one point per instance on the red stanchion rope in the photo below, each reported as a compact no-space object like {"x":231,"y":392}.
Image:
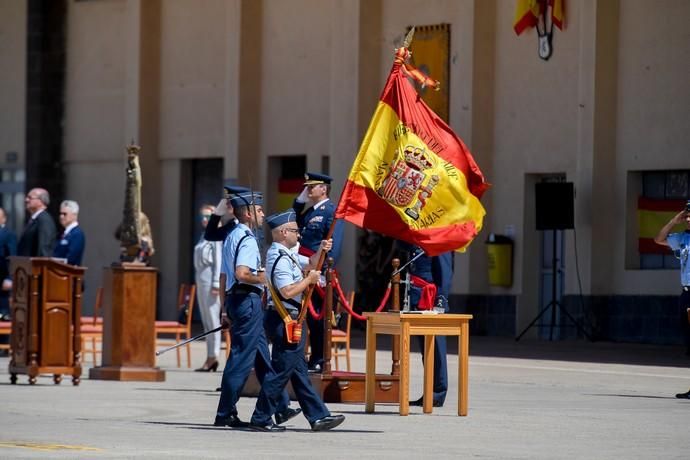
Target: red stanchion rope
{"x":343,"y":301}
{"x":317,"y":316}
{"x":348,"y":307}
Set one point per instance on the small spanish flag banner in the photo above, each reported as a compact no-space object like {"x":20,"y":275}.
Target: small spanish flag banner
{"x":413,"y":178}
{"x":652,"y":214}
{"x":527,"y":13}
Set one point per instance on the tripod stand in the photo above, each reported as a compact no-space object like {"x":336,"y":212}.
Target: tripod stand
{"x":554,"y":302}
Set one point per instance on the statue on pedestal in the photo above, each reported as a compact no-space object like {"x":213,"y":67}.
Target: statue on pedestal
{"x":134,"y":232}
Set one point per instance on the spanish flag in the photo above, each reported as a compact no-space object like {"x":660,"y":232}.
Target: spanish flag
{"x":413,"y":178}
{"x":527,"y":13}
{"x":652,"y":214}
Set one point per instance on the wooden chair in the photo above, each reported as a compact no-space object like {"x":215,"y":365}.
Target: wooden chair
{"x":6,"y":329}
{"x":91,"y":329}
{"x":340,"y":337}
{"x":185,"y":299}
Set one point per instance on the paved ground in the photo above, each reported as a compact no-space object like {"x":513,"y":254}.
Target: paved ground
{"x":528,"y":400}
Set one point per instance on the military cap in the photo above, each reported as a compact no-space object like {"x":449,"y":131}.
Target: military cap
{"x":316,"y":178}
{"x":234,"y":190}
{"x":247,"y":198}
{"x":280,"y":218}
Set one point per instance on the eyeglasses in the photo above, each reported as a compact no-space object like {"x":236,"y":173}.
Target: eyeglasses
{"x":292,"y":230}
{"x":206,"y":216}
{"x":29,"y":197}
{"x":63,"y":213}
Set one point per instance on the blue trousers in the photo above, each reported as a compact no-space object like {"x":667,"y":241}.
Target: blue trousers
{"x":440,"y":366}
{"x":249,"y":349}
{"x":288,"y":363}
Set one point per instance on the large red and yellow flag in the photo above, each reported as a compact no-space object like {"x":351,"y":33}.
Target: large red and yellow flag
{"x":413,"y":178}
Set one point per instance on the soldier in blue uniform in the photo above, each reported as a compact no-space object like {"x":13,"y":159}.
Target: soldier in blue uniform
{"x":244,"y":280}
{"x":679,"y":242}
{"x":315,"y":214}
{"x":213,"y":232}
{"x":439,"y":271}
{"x":284,"y":273}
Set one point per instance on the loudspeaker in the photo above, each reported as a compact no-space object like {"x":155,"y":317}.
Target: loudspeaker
{"x":554,"y":202}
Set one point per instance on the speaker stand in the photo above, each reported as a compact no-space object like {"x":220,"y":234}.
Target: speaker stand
{"x":554,"y":302}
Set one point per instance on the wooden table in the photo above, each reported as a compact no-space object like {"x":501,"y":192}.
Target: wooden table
{"x":428,"y":325}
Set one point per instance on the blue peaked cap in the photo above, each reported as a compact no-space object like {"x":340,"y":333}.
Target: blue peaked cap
{"x":234,"y":190}
{"x":316,"y":178}
{"x":247,"y":198}
{"x":278,"y":219}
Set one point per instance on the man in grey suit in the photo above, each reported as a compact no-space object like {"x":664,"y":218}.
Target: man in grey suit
{"x":38,"y":237}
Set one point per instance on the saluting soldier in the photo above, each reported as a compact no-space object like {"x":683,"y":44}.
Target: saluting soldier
{"x":243,"y":286}
{"x":284,"y":268}
{"x":315,"y":214}
{"x":439,"y":271}
{"x":214,"y":232}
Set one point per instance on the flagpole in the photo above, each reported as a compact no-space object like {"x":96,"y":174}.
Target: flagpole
{"x":307,"y":296}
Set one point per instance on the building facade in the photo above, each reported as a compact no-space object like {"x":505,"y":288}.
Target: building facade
{"x":260,"y":90}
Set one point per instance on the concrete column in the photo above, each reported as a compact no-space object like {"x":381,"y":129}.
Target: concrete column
{"x":231,"y":111}
{"x":605,"y":224}
{"x":142,"y":102}
{"x":344,"y":138}
{"x":250,"y":77}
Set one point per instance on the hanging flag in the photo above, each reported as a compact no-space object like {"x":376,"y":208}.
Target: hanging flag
{"x":413,"y":178}
{"x":652,"y":214}
{"x":527,"y":13}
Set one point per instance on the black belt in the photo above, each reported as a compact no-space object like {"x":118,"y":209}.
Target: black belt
{"x":243,"y":289}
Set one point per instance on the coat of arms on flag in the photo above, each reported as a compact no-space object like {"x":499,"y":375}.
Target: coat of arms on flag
{"x":413,"y":178}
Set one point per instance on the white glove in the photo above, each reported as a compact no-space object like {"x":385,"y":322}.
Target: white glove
{"x":221,"y":208}
{"x":304,"y":196}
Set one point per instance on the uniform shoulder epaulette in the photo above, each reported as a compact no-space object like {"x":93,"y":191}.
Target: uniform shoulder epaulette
{"x":248,"y":233}
{"x":283,"y":252}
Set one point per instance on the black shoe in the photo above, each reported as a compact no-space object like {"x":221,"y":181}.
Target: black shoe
{"x":420,"y":402}
{"x":327,"y":423}
{"x":685,"y":395}
{"x":287,"y":414}
{"x":272,"y":428}
{"x":315,"y":369}
{"x":232,"y":421}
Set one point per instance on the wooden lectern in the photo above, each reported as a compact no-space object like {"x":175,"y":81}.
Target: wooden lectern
{"x":46,"y":316}
{"x":129,"y":315}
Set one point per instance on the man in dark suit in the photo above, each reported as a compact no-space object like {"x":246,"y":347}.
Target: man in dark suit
{"x":38,"y":237}
{"x":70,"y":245}
{"x":8,"y":247}
{"x":315,"y":214}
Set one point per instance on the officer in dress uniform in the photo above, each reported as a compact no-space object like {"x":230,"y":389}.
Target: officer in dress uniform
{"x":315,"y":214}
{"x":439,"y":271}
{"x":241,"y":265}
{"x":284,"y":273}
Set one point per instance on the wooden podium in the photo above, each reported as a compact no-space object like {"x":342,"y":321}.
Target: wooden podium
{"x":46,"y":315}
{"x":129,"y":315}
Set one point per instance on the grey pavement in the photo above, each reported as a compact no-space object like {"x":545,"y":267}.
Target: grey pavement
{"x":527,"y":400}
